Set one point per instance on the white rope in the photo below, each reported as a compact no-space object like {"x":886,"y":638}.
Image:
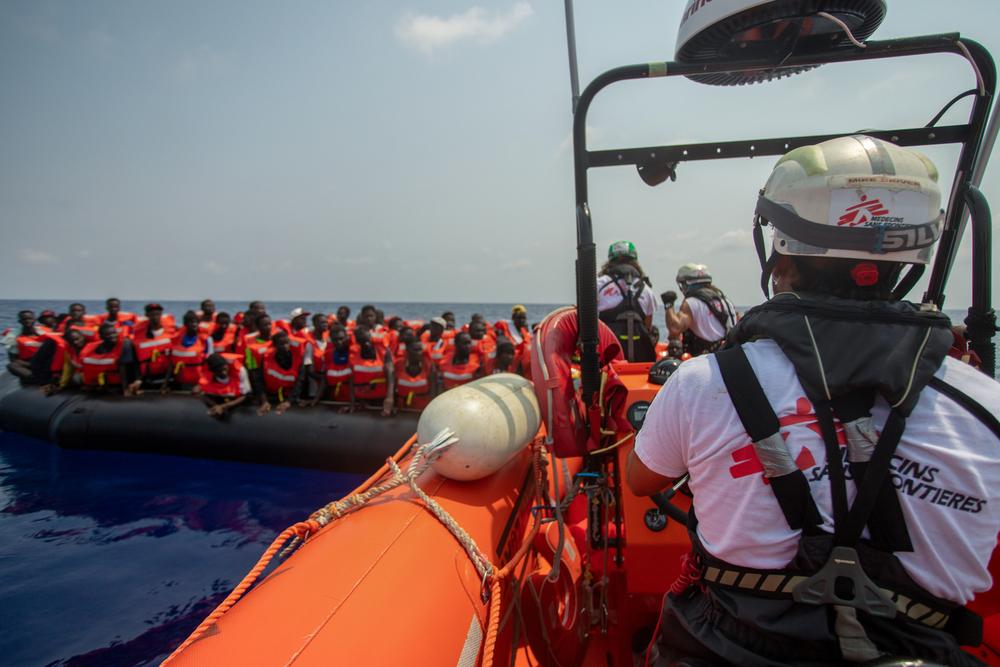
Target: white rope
{"x":843,"y":26}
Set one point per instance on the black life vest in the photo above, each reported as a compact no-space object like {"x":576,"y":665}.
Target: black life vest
{"x":627,"y":319}
{"x":758,"y":617}
{"x":721,"y":310}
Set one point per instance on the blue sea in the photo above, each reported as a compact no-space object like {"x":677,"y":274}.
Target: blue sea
{"x":113,"y":558}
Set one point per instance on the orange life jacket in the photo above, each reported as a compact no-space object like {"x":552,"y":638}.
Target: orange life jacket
{"x":142,"y":325}
{"x":187,"y":361}
{"x":279,"y":380}
{"x":124,"y":320}
{"x":27,"y":346}
{"x":522,"y":350}
{"x":65,"y":360}
{"x":368,"y":375}
{"x":228,"y":389}
{"x":318,"y":346}
{"x":256,"y":347}
{"x":153,"y":354}
{"x":338,"y":376}
{"x":89,"y":332}
{"x":455,"y":375}
{"x":206,"y":326}
{"x":486,"y":348}
{"x":228,"y":340}
{"x":101,"y":369}
{"x":436,"y":351}
{"x":414,"y":391}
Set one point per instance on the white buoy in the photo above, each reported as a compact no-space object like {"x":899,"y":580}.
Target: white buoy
{"x":494,"y":418}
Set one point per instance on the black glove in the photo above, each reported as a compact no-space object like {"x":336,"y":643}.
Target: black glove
{"x":668,"y":298}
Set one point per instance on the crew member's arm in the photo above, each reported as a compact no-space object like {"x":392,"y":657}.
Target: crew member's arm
{"x":390,"y":384}
{"x":678,"y":321}
{"x":641,"y":480}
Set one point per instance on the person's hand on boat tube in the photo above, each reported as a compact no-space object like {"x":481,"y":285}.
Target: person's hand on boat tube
{"x":264,"y":408}
{"x":217,"y":410}
{"x":387,"y":406}
{"x":133,"y":389}
{"x":282,"y":407}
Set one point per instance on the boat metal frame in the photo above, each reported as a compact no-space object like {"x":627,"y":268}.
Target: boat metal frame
{"x":975,"y":138}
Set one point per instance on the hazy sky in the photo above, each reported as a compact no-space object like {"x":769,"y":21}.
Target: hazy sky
{"x":394,"y":151}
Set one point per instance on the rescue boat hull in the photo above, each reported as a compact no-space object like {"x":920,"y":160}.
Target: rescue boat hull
{"x":318,"y":437}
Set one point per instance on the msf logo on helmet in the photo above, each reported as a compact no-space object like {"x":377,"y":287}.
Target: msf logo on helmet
{"x":862,"y":212}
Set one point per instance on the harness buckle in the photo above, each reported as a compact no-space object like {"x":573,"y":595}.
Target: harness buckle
{"x":842,"y":581}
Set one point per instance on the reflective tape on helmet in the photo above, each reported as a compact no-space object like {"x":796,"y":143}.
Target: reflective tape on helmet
{"x":876,"y":238}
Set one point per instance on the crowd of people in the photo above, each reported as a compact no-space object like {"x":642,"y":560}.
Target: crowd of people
{"x":371,"y":362}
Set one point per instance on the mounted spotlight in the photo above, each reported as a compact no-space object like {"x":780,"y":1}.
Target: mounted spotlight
{"x":654,"y":172}
{"x":713,"y":30}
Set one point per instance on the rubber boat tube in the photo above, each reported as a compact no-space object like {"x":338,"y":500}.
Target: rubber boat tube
{"x":319,"y":437}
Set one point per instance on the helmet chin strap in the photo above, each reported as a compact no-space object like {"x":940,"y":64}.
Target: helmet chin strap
{"x":766,"y":263}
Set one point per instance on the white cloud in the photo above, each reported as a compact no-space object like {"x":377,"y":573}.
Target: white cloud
{"x":733,"y":239}
{"x":428,"y":33}
{"x":521,"y":263}
{"x":215,"y":268}
{"x":29,"y":256}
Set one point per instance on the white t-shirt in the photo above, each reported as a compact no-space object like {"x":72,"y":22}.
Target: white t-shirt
{"x":609,"y":296}
{"x":946,"y":468}
{"x":703,"y":323}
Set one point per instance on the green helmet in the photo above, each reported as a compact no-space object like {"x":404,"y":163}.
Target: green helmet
{"x":622,"y":249}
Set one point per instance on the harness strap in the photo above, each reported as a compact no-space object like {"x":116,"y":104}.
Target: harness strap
{"x":781,"y":584}
{"x":788,"y":483}
{"x":978,"y":411}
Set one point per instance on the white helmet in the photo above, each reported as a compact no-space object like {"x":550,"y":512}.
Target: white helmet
{"x":853,"y":197}
{"x":693,"y":274}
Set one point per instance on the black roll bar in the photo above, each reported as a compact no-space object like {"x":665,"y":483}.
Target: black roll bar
{"x":970,"y":136}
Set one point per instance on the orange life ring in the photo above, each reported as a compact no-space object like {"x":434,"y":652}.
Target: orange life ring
{"x":563,"y":411}
{"x":555,"y":618}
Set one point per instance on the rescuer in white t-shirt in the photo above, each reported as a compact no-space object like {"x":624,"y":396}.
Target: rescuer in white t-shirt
{"x":836,"y":366}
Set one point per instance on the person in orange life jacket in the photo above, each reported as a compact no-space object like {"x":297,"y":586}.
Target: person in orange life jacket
{"x":344,"y":317}
{"x":372,"y":371}
{"x":435,"y":344}
{"x":517,"y":332}
{"x":504,"y":361}
{"x":224,"y":384}
{"x":337,"y":366}
{"x":404,"y":337}
{"x":79,"y":320}
{"x":22,"y":344}
{"x":416,"y":381}
{"x":484,"y":345}
{"x":836,"y":494}
{"x":462,"y":365}
{"x":56,"y":365}
{"x":318,"y":338}
{"x":206,"y":315}
{"x":110,"y":361}
{"x":48,"y":319}
{"x":705,"y":315}
{"x":280,"y":375}
{"x":222,"y":332}
{"x":449,"y":318}
{"x":152,"y":341}
{"x":188,"y":351}
{"x":253,"y":345}
{"x":379,"y":318}
{"x":116,"y":315}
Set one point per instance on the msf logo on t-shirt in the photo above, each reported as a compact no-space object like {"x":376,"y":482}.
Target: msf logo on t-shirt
{"x":862,"y":212}
{"x":745,"y":458}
